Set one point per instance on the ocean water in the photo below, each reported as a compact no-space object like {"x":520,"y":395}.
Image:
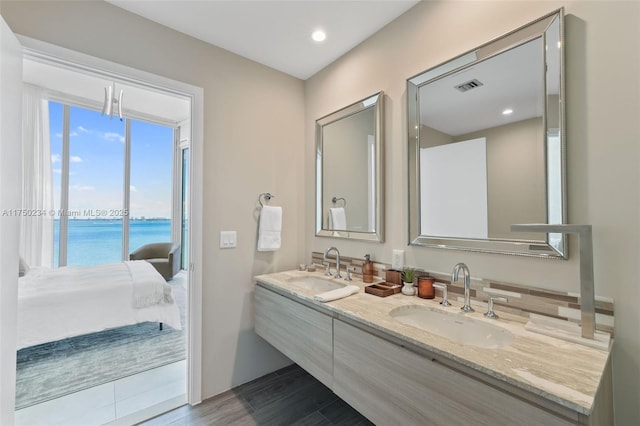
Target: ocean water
{"x":94,"y":242}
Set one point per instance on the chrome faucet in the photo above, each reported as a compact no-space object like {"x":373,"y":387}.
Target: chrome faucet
{"x":326,"y":253}
{"x":587,"y":291}
{"x":467,"y":285}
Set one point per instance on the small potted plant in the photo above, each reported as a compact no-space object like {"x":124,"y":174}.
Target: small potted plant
{"x":408,"y":276}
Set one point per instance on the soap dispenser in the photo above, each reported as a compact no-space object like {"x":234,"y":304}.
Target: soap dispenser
{"x":367,"y":269}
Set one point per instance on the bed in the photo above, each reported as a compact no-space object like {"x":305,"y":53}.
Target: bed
{"x":55,"y":304}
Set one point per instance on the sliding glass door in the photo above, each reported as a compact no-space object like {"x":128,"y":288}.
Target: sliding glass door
{"x":112,"y":185}
{"x":96,"y":170}
{"x":150,"y":184}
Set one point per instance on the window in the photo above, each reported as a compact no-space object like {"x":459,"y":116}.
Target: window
{"x":90,"y":166}
{"x":150,"y":184}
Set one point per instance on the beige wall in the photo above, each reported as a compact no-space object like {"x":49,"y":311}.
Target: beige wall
{"x":430,"y":137}
{"x":240,"y":160}
{"x":603,"y":150}
{"x":603,"y":130}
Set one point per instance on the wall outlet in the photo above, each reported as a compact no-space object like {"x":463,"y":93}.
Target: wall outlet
{"x":397,"y":260}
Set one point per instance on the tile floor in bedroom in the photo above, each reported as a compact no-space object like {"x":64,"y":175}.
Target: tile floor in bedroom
{"x":111,"y":401}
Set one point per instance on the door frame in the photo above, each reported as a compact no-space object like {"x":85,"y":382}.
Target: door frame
{"x":10,"y":196}
{"x":42,"y":51}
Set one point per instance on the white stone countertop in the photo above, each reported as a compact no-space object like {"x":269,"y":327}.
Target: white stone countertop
{"x":563,"y":372}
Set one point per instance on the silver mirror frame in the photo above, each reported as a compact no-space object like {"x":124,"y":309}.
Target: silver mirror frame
{"x":534,"y":248}
{"x":375,"y":101}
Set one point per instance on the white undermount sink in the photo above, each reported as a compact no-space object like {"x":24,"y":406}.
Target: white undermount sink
{"x":453,"y":326}
{"x":316,"y":284}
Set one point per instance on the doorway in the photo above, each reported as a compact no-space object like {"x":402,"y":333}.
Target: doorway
{"x":187,"y":178}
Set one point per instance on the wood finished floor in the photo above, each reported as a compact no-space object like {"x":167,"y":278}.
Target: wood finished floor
{"x":286,"y":397}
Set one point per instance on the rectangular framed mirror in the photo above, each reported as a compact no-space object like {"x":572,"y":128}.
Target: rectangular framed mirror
{"x":349,"y":194}
{"x":487,"y":145}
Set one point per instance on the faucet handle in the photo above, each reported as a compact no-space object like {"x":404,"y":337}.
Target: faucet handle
{"x":445,"y":293}
{"x":490,"y":313}
{"x":350,"y":269}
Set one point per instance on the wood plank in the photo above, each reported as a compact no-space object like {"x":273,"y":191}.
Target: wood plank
{"x":313,"y":419}
{"x":295,"y":405}
{"x":341,"y":413}
{"x":277,"y":389}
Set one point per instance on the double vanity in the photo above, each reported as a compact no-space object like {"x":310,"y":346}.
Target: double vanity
{"x":488,"y":124}
{"x":405,"y":360}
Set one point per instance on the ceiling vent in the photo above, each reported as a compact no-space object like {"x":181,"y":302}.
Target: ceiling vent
{"x":471,"y":84}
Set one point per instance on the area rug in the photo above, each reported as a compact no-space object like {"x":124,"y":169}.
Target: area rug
{"x":55,"y":369}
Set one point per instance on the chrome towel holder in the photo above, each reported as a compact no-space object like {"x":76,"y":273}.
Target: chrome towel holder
{"x":267,"y":197}
{"x":334,"y":200}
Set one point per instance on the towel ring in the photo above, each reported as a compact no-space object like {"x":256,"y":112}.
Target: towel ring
{"x":267,"y":197}
{"x":336,"y":199}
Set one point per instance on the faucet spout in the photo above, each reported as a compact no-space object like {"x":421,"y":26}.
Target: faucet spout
{"x":467,"y":285}
{"x":587,"y":291}
{"x":326,"y":253}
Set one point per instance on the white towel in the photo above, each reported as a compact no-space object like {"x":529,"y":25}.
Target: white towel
{"x":337,"y":219}
{"x":336,"y":294}
{"x":270,"y":228}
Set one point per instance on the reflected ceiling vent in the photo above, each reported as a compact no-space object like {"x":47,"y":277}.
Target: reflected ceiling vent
{"x":471,"y":84}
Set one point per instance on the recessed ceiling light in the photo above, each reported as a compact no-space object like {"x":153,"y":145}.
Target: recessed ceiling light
{"x":318,"y":35}
{"x":507,"y":111}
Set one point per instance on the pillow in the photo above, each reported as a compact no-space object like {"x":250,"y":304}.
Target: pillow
{"x":23,"y":268}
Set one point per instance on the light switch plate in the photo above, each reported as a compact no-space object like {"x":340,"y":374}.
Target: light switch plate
{"x":228,"y":239}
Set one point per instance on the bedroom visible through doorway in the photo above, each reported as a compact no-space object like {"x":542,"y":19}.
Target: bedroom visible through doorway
{"x":116,"y":186}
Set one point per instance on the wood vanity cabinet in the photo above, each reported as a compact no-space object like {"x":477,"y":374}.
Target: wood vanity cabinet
{"x":391,"y":385}
{"x":391,"y":382}
{"x":301,"y":333}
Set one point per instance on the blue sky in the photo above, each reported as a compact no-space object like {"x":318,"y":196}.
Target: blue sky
{"x":97,"y":163}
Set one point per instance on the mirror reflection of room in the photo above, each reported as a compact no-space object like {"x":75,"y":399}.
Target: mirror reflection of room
{"x":348,"y":171}
{"x":482,"y":162}
{"x":486,"y":145}
{"x":348,"y":158}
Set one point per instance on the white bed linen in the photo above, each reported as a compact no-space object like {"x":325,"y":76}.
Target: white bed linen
{"x":54,"y":304}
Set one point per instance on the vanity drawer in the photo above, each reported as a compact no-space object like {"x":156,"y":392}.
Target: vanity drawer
{"x":392,"y":385}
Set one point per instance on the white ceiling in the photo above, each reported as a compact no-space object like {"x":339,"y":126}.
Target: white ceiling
{"x":275,"y":33}
{"x":512,"y":79}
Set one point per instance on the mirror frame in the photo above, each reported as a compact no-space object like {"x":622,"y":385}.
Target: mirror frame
{"x":375,"y":101}
{"x":517,"y":247}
